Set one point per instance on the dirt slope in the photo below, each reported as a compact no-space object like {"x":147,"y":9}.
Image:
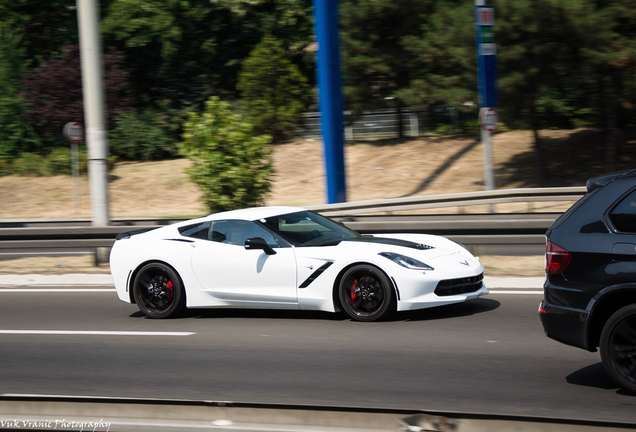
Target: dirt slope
{"x":375,"y":169}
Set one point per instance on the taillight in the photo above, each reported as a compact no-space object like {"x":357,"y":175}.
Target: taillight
{"x":556,"y":258}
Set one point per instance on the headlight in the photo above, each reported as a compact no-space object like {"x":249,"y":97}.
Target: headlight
{"x":404,"y":261}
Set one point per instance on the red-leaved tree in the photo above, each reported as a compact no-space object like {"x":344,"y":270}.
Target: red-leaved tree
{"x":54,"y":91}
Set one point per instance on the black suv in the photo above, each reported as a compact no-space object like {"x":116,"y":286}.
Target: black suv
{"x":590,"y":288}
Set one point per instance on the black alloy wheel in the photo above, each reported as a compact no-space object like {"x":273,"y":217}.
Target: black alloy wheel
{"x":618,"y":347}
{"x":158,"y":291}
{"x":366,"y":293}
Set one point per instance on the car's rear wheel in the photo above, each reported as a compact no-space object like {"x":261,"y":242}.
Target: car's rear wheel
{"x":366,"y":293}
{"x":158,"y":291}
{"x":618,"y":347}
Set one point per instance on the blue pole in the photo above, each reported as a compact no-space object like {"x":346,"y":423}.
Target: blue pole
{"x":330,"y":97}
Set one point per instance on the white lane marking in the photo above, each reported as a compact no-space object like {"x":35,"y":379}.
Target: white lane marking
{"x":57,"y":396}
{"x":492,"y":291}
{"x":54,"y":290}
{"x":95,"y":333}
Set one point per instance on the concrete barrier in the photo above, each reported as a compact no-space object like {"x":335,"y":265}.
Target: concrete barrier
{"x":43,"y":413}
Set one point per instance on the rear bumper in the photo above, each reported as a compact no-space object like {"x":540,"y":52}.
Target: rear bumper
{"x":564,"y":324}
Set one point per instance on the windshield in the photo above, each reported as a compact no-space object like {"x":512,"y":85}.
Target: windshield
{"x":305,"y":228}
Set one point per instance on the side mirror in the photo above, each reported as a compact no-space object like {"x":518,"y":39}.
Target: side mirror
{"x":259,"y":243}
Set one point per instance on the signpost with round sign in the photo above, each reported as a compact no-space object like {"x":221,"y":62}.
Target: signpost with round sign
{"x":74,"y":132}
{"x":489,"y":119}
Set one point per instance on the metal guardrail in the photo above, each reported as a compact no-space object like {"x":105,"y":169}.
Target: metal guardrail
{"x":452,"y":200}
{"x":501,"y":234}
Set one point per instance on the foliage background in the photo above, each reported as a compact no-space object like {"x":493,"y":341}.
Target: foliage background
{"x":561,"y":64}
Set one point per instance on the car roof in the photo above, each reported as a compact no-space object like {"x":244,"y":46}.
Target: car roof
{"x":254,"y":213}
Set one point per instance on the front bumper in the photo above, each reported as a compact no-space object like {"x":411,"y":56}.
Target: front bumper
{"x":432,"y":300}
{"x":565,"y":324}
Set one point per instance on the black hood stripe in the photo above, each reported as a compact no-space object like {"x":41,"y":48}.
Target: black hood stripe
{"x":391,"y":241}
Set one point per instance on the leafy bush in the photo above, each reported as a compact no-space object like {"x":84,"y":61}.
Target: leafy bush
{"x":31,"y":165}
{"x":472,"y":127}
{"x":231,"y":166}
{"x":59,"y":161}
{"x":5,"y":167}
{"x":444,"y":129}
{"x":275,"y":93}
{"x":140,"y":135}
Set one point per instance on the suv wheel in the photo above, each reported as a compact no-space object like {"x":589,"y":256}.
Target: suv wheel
{"x":618,"y":347}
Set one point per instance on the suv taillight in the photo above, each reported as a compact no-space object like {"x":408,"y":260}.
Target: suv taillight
{"x":556,"y":258}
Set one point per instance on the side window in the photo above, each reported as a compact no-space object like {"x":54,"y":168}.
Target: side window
{"x":198,"y":231}
{"x":236,"y":232}
{"x":623,"y":216}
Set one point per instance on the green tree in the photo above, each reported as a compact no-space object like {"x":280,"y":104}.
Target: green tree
{"x":181,"y":52}
{"x":539,"y":46}
{"x":17,"y":135}
{"x":231,"y":166}
{"x":443,"y":65}
{"x":274,"y":92}
{"x":376,"y":62}
{"x":611,"y":66}
{"x":45,"y":26}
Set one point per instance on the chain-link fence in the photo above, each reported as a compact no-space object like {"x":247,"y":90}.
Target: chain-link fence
{"x":386,"y":123}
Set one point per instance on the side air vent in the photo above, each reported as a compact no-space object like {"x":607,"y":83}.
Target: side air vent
{"x":315,"y":275}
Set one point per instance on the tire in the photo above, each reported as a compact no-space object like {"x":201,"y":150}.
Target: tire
{"x":618,"y":347}
{"x":158,"y":291}
{"x":366,"y":294}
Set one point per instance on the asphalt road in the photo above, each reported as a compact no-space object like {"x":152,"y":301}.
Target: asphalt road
{"x":489,"y":356}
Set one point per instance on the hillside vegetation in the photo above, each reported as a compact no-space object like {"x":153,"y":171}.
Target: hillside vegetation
{"x":375,"y":169}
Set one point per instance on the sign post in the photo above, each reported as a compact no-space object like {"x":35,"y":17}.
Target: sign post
{"x":74,"y":132}
{"x":487,"y":79}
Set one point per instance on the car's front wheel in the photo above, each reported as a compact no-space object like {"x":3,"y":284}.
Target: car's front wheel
{"x":618,"y":347}
{"x":158,"y":291}
{"x":366,"y":293}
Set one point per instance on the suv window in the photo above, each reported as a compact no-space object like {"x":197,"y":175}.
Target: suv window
{"x":623,"y":216}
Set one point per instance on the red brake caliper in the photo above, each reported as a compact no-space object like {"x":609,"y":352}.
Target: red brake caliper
{"x":169,"y":290}
{"x":353,"y":289}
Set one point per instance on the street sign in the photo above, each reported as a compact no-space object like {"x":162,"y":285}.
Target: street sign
{"x":489,"y":119}
{"x":486,"y":55}
{"x":74,"y":132}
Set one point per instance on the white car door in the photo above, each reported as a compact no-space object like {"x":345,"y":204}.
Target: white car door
{"x":231,"y":273}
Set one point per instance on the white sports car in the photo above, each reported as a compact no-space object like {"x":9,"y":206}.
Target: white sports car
{"x":289,"y":258}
